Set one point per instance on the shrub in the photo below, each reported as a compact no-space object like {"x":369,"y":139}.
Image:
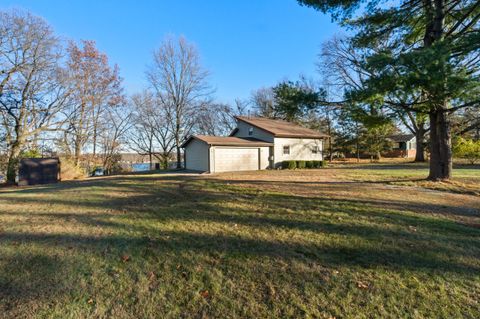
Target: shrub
{"x":31,"y":153}
{"x":467,"y":149}
{"x":301,"y":164}
{"x":319,"y":164}
{"x":289,"y":164}
{"x":292,"y":165}
{"x":69,"y":171}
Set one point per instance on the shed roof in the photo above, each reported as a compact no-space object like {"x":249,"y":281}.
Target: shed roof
{"x":280,"y":128}
{"x":227,"y":141}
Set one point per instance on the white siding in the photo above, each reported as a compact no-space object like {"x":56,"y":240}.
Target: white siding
{"x":226,"y":159}
{"x":412,"y":144}
{"x":264,"y":154}
{"x":243,"y":129}
{"x":196,"y":156}
{"x":300,"y":149}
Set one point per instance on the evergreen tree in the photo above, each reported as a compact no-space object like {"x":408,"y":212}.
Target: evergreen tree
{"x":295,"y":100}
{"x":428,"y":46}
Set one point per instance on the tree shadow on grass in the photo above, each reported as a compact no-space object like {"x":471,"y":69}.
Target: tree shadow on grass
{"x":382,"y":166}
{"x":382,"y":237}
{"x":172,"y":242}
{"x":107,"y":181}
{"x":177,"y":195}
{"x":317,"y":191}
{"x":29,"y":278}
{"x":184,"y":194}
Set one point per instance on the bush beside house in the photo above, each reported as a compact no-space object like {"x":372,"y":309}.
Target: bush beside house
{"x":303,"y":164}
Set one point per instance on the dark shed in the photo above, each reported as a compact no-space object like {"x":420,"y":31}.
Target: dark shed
{"x":38,"y":171}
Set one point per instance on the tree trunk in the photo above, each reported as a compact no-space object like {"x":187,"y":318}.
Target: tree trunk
{"x":179,"y":159}
{"x":13,"y":162}
{"x":330,"y":149}
{"x":177,"y":138}
{"x":440,"y":146}
{"x":77,"y":151}
{"x":420,"y":139}
{"x":94,"y":143}
{"x":165,"y":162}
{"x":330,"y":145}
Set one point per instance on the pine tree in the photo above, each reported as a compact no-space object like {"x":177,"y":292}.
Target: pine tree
{"x":429,"y":46}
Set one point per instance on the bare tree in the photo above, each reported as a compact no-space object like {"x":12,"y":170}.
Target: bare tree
{"x":32,"y":91}
{"x":113,"y":137}
{"x":97,"y":86}
{"x":263,"y":101}
{"x":164,"y":138}
{"x":150,"y":133}
{"x":342,"y":68}
{"x":467,"y":123}
{"x":142,"y":132}
{"x":219,"y":118}
{"x":181,"y":85}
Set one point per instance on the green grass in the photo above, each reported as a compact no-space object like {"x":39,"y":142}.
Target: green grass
{"x":345,"y":242}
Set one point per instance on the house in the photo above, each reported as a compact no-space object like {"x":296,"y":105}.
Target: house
{"x":257,"y":143}
{"x":404,"y":145}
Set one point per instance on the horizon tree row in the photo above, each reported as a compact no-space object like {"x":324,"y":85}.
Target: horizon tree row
{"x":64,"y":97}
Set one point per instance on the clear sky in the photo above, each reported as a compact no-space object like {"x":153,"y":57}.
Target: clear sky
{"x":245,"y":44}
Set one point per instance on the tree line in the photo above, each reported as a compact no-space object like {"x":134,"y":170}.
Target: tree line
{"x":412,"y":65}
{"x":65,"y":97}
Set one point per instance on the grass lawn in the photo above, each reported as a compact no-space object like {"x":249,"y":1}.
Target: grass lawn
{"x":352,"y":241}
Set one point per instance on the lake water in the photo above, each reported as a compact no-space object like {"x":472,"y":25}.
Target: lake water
{"x":141,"y":167}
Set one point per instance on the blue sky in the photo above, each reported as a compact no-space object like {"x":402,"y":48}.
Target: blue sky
{"x":245,"y":44}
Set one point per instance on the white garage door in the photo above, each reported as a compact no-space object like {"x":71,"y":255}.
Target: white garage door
{"x":236,"y":159}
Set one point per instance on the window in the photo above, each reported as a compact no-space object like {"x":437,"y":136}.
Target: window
{"x":315,"y":150}
{"x":286,"y":150}
{"x":250,"y":131}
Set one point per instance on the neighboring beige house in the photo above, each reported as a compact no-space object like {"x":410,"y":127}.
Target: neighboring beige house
{"x":257,"y":143}
{"x":404,"y":145}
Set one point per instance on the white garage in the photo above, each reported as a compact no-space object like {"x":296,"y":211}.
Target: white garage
{"x":224,"y":154}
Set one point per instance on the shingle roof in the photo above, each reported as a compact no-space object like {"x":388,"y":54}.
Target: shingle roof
{"x":227,"y":141}
{"x":401,"y":137}
{"x":279,"y":128}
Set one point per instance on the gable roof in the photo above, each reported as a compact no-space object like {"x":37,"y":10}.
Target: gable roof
{"x":279,"y":128}
{"x":401,"y":137}
{"x":226,"y":141}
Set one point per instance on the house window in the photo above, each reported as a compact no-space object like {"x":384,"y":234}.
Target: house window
{"x":286,"y":150}
{"x":315,"y":150}
{"x":250,"y":131}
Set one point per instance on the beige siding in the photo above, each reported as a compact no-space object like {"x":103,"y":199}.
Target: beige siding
{"x":226,"y":159}
{"x":243,"y":129}
{"x":300,"y":149}
{"x":196,"y":156}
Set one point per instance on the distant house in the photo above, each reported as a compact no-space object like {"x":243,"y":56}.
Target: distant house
{"x":257,"y":143}
{"x":404,"y":145}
